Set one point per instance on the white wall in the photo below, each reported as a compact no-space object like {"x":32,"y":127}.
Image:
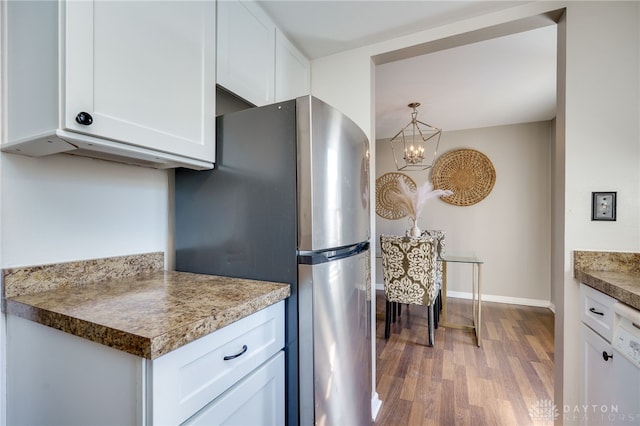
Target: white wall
{"x":510,"y":229}
{"x":601,"y":148}
{"x":63,"y":208}
{"x":599,"y":133}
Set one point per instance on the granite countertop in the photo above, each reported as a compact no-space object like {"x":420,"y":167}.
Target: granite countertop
{"x":147,"y":314}
{"x":616,"y":274}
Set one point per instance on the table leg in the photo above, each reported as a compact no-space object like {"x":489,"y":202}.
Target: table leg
{"x":474,"y":307}
{"x":479,"y":326}
{"x":444,"y":293}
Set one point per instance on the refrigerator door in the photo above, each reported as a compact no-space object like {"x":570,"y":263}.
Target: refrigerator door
{"x":240,"y":219}
{"x":335,"y":341}
{"x":333,"y":177}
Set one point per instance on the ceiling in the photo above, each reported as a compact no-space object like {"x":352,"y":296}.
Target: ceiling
{"x":501,"y":81}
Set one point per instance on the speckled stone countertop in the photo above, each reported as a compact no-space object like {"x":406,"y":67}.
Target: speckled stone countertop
{"x":616,"y":274}
{"x":148,"y":313}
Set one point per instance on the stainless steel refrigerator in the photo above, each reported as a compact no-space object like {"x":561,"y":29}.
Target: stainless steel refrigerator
{"x":288,"y":201}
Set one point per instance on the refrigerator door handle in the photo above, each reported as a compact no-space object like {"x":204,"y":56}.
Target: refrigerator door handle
{"x":317,"y":257}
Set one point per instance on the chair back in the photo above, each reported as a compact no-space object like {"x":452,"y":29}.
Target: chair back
{"x":439,"y":236}
{"x":409,"y":269}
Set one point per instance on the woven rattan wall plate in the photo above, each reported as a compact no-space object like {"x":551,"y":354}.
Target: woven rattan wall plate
{"x":386,"y":185}
{"x":466,"y":172}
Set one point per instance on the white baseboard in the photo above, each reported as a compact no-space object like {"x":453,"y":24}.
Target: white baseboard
{"x":376,"y":403}
{"x":503,"y":299}
{"x":495,"y":298}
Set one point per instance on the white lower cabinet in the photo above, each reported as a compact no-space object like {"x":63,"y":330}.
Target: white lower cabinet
{"x":234,"y":375}
{"x":609,"y":383}
{"x":597,"y":383}
{"x":597,"y":373}
{"x":253,"y":401}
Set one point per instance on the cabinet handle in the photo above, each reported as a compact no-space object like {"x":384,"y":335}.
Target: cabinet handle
{"x":606,"y":356}
{"x":230,"y":357}
{"x":84,"y":118}
{"x":593,"y":311}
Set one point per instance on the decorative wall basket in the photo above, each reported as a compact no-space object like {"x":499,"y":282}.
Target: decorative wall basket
{"x":386,"y":185}
{"x":466,"y":172}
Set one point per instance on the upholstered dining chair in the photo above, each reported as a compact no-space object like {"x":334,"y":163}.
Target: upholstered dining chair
{"x":439,"y":236}
{"x":409,"y":271}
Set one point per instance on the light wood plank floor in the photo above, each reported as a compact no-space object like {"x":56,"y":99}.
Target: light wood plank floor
{"x":457,"y":383}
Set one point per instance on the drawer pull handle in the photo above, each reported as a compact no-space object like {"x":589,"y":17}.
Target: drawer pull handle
{"x":606,"y":356}
{"x":593,"y":311}
{"x":230,"y":357}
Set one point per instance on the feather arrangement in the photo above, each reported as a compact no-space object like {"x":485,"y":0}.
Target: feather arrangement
{"x":413,"y":201}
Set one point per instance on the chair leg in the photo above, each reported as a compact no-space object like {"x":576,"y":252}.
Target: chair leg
{"x":431,"y":325}
{"x":387,"y":319}
{"x":399,"y":309}
{"x":436,"y":314}
{"x":394,"y":310}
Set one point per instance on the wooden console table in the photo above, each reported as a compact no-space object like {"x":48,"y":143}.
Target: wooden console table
{"x":476,"y":298}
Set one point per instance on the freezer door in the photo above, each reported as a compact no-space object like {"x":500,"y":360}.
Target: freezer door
{"x":333,"y":177}
{"x":335,"y":341}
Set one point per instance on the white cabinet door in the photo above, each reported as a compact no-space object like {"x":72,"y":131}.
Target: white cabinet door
{"x":246,"y":51}
{"x":29,"y":55}
{"x":144,"y":71}
{"x":597,"y":387}
{"x":292,"y":70}
{"x":256,"y":400}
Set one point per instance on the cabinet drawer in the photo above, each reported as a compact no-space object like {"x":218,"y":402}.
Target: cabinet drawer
{"x":597,"y":311}
{"x":256,"y":400}
{"x":187,"y":379}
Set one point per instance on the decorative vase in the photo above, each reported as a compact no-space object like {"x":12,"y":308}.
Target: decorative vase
{"x":414,"y":231}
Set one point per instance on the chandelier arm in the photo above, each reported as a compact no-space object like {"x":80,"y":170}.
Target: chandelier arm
{"x":402,"y":130}
{"x":433,"y":136}
{"x":426,"y":124}
{"x":421,"y":134}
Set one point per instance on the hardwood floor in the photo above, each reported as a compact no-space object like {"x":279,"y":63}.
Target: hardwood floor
{"x":457,"y":383}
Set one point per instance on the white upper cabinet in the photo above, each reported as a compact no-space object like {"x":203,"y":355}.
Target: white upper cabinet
{"x":245,"y":51}
{"x":255,"y":60}
{"x":136,"y":83}
{"x":292,"y":70}
{"x":144,"y":71}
